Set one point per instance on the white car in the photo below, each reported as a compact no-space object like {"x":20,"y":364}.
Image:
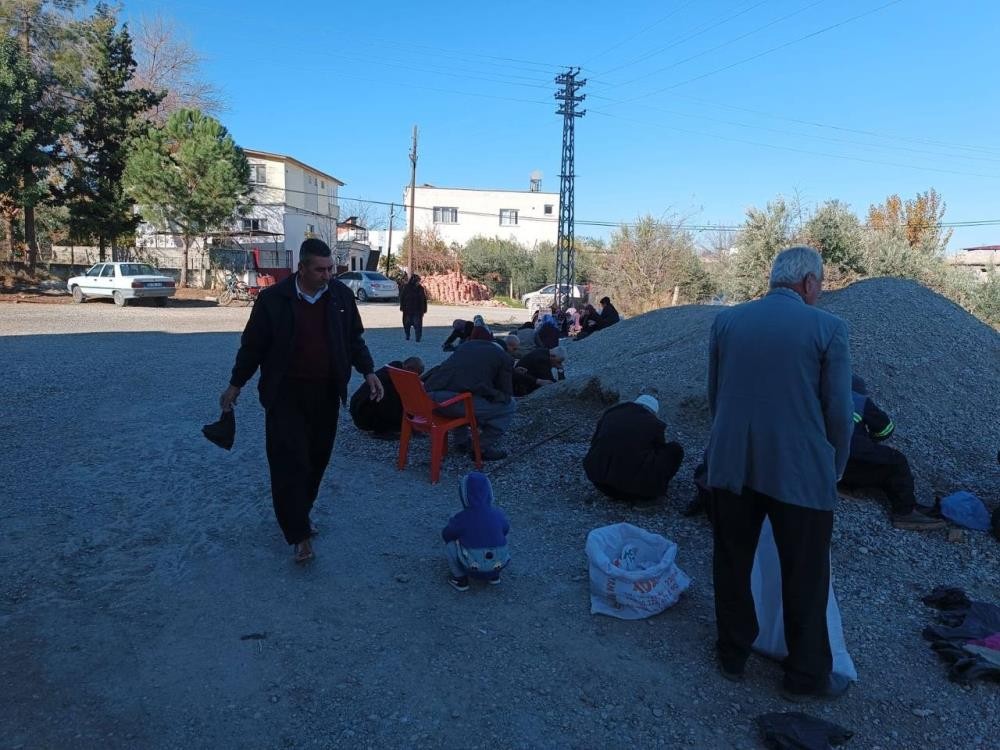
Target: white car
{"x":122,"y":282}
{"x":368,"y":285}
{"x":546,"y":296}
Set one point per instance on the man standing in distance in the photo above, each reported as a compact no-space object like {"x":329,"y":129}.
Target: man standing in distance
{"x":779,"y":390}
{"x":304,"y":334}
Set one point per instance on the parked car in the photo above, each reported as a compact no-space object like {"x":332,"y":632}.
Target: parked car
{"x":368,"y":285}
{"x":123,"y":282}
{"x":545,"y":296}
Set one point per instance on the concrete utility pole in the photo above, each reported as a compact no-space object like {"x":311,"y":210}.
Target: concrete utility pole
{"x":565,"y":272}
{"x":388,"y":251}
{"x":413,"y":191}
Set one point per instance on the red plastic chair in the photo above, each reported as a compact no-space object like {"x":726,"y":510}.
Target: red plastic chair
{"x":420,"y":414}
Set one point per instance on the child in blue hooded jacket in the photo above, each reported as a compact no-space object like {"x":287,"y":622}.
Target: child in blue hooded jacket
{"x":476,"y":537}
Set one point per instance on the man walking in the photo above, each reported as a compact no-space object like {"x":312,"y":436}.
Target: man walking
{"x":413,"y":305}
{"x":779,"y":390}
{"x":304,"y":334}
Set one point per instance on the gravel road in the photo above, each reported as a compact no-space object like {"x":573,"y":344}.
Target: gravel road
{"x":148,"y":600}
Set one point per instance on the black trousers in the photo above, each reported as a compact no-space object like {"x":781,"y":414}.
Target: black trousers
{"x":888,"y":470}
{"x":414,"y":321}
{"x":299,"y":430}
{"x":802,"y":536}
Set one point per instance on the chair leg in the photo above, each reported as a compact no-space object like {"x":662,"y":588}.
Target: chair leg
{"x":438,"y":438}
{"x":476,"y":453}
{"x":404,"y":444}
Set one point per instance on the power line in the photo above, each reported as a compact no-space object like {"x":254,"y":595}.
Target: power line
{"x":697,"y":33}
{"x":769,"y":51}
{"x":726,"y":43}
{"x":598,"y":222}
{"x":640,"y":32}
{"x":797,"y":150}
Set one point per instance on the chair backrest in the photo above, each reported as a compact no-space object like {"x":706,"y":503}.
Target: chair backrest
{"x":411,"y":392}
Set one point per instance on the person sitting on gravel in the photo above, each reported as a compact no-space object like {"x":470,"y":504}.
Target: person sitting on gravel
{"x":589,"y":322}
{"x":608,"y":315}
{"x":476,"y":537}
{"x":629,"y":457}
{"x":461,"y":330}
{"x":537,"y":368}
{"x":547,"y":333}
{"x":511,"y":344}
{"x":485,"y":370}
{"x":480,"y":331}
{"x":382,"y":418}
{"x":873,"y":464}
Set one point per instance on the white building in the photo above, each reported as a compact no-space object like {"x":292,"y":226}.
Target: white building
{"x":291,"y":201}
{"x":529,"y":216}
{"x":980,"y":262}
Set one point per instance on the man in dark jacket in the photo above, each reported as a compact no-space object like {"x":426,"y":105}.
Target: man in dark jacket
{"x":382,"y":418}
{"x":413,"y":305}
{"x":873,"y":464}
{"x":485,"y":370}
{"x":535,"y":369}
{"x":629,"y":457}
{"x":304,"y":334}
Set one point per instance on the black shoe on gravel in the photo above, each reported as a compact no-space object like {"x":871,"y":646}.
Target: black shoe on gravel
{"x":917,"y":521}
{"x":493,"y":454}
{"x":459,"y":584}
{"x":731,"y":675}
{"x":835,"y":687}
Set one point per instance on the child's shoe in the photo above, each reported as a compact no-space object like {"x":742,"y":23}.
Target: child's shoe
{"x":459,"y":584}
{"x":494,"y":580}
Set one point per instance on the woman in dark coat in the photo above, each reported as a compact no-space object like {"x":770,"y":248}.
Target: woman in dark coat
{"x":629,"y":457}
{"x":413,"y":305}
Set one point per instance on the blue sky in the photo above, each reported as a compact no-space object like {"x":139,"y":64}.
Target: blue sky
{"x":695,"y":107}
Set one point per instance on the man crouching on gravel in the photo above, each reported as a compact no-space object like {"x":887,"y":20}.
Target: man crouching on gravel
{"x":304,"y":333}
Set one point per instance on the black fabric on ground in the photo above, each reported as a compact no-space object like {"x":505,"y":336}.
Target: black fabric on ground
{"x":995,"y":523}
{"x":798,"y":731}
{"x":378,"y":416}
{"x":959,"y":624}
{"x":223,"y":432}
{"x":947,"y":598}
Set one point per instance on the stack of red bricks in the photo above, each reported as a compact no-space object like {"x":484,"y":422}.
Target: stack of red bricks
{"x":454,"y":289}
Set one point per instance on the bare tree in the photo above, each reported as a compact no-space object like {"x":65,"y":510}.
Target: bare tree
{"x":370,"y":215}
{"x":166,"y":61}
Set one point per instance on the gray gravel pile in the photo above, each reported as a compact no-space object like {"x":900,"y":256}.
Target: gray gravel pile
{"x":934,"y":367}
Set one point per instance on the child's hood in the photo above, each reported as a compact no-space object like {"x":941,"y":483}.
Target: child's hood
{"x":475,"y":490}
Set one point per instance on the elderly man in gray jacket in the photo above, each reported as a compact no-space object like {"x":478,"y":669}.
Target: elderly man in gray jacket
{"x":779,"y":390}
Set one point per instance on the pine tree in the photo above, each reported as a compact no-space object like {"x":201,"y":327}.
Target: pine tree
{"x":29,"y":133}
{"x":107,"y":120}
{"x":189,"y":176}
{"x":46,"y":35}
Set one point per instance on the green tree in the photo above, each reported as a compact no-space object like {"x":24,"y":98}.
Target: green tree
{"x":107,"y":120}
{"x":764,"y":234}
{"x":46,"y":35}
{"x":837,"y":233}
{"x":29,"y":133}
{"x":188,"y":175}
{"x":646,"y":262}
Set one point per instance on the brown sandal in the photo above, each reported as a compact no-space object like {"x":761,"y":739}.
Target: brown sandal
{"x":303,"y":552}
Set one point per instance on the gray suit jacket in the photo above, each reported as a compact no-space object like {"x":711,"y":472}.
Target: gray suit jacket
{"x":779,"y":391}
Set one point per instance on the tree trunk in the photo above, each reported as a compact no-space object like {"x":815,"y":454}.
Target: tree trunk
{"x":184,"y":260}
{"x":100,"y":245}
{"x":30,"y":240}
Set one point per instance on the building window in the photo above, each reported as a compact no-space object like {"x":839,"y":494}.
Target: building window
{"x":254,"y":225}
{"x":258,"y":174}
{"x":445,"y":215}
{"x":322,"y":184}
{"x":310,"y":228}
{"x":548,"y":209}
{"x":508,"y":217}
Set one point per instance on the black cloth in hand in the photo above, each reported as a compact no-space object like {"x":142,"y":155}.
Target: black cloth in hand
{"x":223,"y":432}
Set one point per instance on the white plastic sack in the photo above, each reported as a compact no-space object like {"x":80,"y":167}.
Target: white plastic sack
{"x":765,"y":582}
{"x":632,"y":572}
